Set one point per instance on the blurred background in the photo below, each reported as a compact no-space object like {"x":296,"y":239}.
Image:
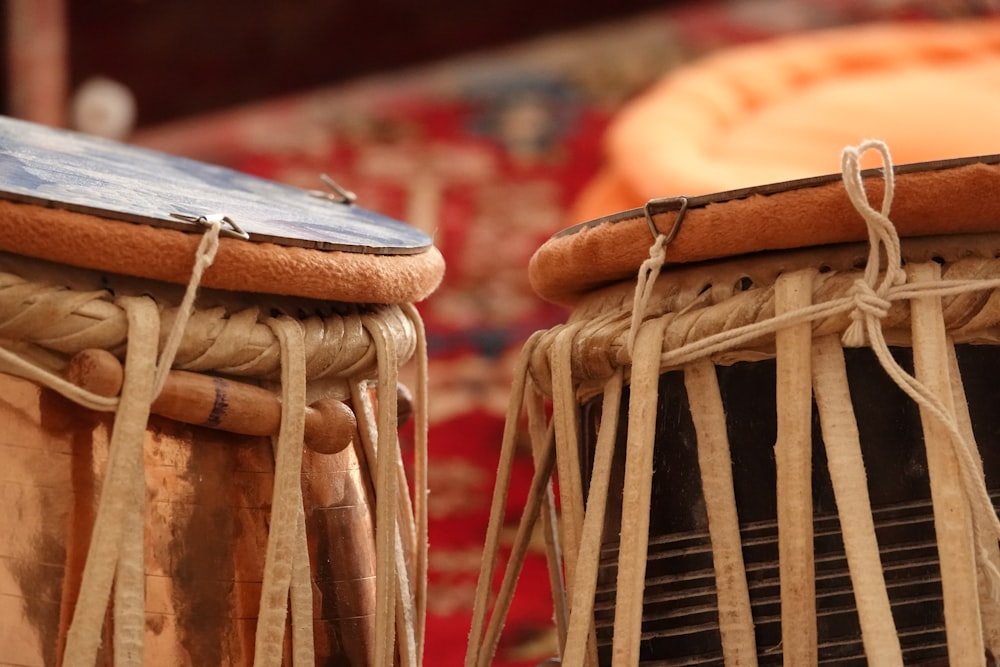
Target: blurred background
{"x":480,"y":123}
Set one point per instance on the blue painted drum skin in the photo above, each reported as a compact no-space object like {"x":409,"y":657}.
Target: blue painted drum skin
{"x":244,"y":515}
{"x":84,"y":174}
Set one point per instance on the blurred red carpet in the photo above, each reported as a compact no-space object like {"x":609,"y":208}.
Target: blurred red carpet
{"x":486,"y":154}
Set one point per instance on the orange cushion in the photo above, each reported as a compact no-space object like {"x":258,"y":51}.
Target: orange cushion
{"x":784,"y":109}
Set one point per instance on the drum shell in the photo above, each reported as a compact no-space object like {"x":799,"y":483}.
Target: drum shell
{"x":680,"y":566}
{"x":208,"y":496}
{"x":680,"y":587}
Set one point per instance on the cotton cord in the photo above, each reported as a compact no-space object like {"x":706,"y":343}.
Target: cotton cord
{"x":17,"y":364}
{"x":871,"y":296}
{"x":203,"y":258}
{"x":649,"y":271}
{"x":883,"y":234}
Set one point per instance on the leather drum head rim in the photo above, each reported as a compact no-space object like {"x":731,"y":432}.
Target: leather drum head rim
{"x":97,"y":204}
{"x":959,"y":196}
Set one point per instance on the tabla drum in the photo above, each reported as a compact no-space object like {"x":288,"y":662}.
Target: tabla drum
{"x":199,"y":410}
{"x":774,"y":430}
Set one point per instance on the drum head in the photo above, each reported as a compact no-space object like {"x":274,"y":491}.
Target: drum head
{"x":97,"y":204}
{"x":75,"y":172}
{"x":931,"y":198}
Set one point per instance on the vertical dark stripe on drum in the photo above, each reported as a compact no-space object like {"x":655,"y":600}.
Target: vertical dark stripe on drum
{"x":40,"y":573}
{"x":202,"y":549}
{"x":219,"y":403}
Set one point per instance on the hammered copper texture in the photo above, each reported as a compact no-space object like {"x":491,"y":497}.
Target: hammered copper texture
{"x":208,"y":496}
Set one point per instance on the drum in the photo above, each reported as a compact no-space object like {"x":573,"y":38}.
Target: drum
{"x":199,"y":408}
{"x":774,"y":429}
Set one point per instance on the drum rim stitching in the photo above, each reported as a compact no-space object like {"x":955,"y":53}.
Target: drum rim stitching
{"x":94,"y":309}
{"x":604,"y":339}
{"x":692,"y":321}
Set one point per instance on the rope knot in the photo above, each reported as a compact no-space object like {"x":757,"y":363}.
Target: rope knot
{"x":868,"y":304}
{"x":869,"y":294}
{"x":657,"y":254}
{"x":649,"y":271}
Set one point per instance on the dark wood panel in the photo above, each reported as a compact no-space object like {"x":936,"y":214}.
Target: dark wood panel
{"x":183,"y":57}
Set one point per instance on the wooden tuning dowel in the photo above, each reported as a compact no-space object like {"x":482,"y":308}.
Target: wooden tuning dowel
{"x":206,"y":400}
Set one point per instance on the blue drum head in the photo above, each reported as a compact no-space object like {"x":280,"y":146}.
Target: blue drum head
{"x":84,"y":174}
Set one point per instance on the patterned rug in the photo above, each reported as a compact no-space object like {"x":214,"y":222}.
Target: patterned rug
{"x":486,"y":153}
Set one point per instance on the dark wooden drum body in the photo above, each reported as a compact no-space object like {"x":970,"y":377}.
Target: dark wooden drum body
{"x":680,"y":608}
{"x":681,"y":604}
{"x":769,"y":452}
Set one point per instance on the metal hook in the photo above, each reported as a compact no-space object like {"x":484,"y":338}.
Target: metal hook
{"x":233,"y":229}
{"x":339,"y":195}
{"x":667,"y":204}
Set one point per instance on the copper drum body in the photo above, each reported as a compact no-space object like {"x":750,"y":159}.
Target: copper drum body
{"x":208,"y":495}
{"x":198,"y":407}
{"x":208,"y":498}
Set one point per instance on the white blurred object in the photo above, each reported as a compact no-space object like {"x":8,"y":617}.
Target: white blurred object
{"x":105,"y":108}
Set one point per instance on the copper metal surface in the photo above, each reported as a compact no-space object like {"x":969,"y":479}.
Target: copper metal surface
{"x":208,"y":496}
